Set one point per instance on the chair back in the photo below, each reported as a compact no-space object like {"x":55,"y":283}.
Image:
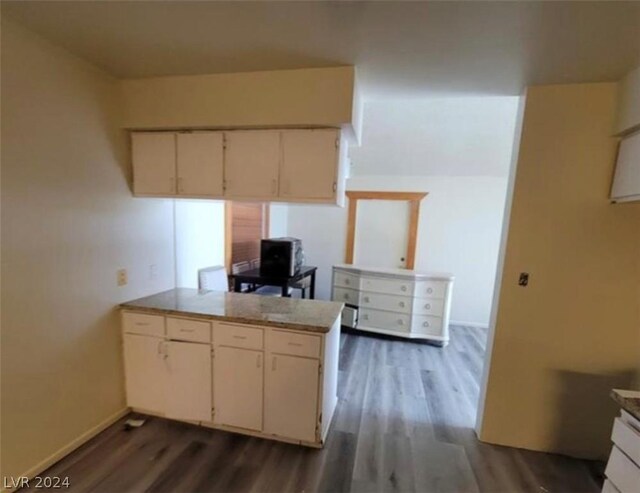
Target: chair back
{"x":213,"y":278}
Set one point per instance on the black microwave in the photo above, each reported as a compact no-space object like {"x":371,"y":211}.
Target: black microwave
{"x":281,"y":257}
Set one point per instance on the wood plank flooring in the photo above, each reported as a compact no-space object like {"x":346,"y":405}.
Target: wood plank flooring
{"x":404,"y":423}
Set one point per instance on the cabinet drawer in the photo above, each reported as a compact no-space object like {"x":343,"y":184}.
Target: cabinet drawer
{"x":398,"y":322}
{"x":427,"y":325}
{"x":182,"y":329}
{"x":388,"y":302}
{"x":608,"y":487}
{"x":622,"y":472}
{"x":346,"y":295}
{"x":627,"y":439}
{"x":387,"y":286}
{"x":143,"y":323}
{"x":344,"y":280}
{"x":286,"y":342}
{"x":240,"y":336}
{"x":430,"y":289}
{"x":425,"y":306}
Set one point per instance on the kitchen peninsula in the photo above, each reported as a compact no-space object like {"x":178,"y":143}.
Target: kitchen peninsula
{"x":250,"y":364}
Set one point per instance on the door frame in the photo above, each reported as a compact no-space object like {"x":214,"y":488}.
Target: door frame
{"x":414,"y":199}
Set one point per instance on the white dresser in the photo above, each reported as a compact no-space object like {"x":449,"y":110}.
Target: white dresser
{"x":397,"y":302}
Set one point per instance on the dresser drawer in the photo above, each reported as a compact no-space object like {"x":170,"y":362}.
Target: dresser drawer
{"x":240,"y":336}
{"x":344,"y":280}
{"x":388,"y":302}
{"x":627,"y":439}
{"x":426,"y":306}
{"x":346,"y":295}
{"x":387,"y":286}
{"x":622,"y":472}
{"x":398,"y":322}
{"x":430,"y":289}
{"x":182,"y":329}
{"x":287,"y":342}
{"x":427,"y":325}
{"x":143,"y":324}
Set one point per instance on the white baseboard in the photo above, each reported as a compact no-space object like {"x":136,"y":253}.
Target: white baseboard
{"x":477,"y":325}
{"x":70,"y":447}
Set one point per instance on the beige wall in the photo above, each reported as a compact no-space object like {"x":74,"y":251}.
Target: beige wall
{"x":316,"y":96}
{"x":562,"y":342}
{"x":68,"y":223}
{"x":628,"y":115}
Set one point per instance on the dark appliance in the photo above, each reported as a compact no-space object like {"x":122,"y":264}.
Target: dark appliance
{"x":281,"y":257}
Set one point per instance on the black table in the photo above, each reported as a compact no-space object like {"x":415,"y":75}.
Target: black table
{"x":253,"y":277}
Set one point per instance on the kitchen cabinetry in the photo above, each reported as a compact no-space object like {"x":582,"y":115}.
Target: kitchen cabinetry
{"x":297,"y":165}
{"x":254,"y":379}
{"x":306,"y":171}
{"x":398,"y":302}
{"x":238,"y":387}
{"x":291,"y":379}
{"x":623,"y":467}
{"x":169,"y":164}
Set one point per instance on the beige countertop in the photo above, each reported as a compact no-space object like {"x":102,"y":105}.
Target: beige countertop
{"x":288,"y":313}
{"x":629,"y":400}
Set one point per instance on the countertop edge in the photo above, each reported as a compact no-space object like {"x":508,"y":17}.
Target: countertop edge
{"x":418,"y":276}
{"x":234,"y":319}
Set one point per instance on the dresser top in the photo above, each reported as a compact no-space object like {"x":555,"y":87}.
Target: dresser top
{"x":396,"y":273}
{"x":629,"y":400}
{"x":288,"y":313}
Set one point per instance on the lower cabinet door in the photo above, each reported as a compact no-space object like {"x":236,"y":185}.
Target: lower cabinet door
{"x":144,"y":372}
{"x":291,"y":397}
{"x":238,"y":387}
{"x":188,"y":376}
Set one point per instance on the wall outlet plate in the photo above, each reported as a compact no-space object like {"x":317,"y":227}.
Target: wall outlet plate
{"x":122,"y":277}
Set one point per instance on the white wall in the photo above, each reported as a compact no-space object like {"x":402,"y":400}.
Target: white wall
{"x":199,"y":238}
{"x":69,"y":222}
{"x":458,"y":232}
{"x":278,"y":220}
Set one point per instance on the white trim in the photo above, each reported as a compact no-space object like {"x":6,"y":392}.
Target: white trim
{"x":476,"y":325}
{"x":71,"y":446}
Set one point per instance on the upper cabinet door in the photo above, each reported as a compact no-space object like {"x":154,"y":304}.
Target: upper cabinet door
{"x":309,"y":164}
{"x":200,"y":164}
{"x":154,"y":163}
{"x":252,"y":163}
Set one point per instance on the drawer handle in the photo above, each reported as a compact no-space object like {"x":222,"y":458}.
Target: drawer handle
{"x":366,"y":317}
{"x":400,"y":322}
{"x":187,"y":330}
{"x":297,"y":344}
{"x":429,"y":290}
{"x":366,"y":299}
{"x":425,"y":324}
{"x":403,"y":288}
{"x":347,"y":282}
{"x":401,"y":304}
{"x":142,"y":324}
{"x":427,"y":306}
{"x":346,"y":296}
{"x":239,"y":337}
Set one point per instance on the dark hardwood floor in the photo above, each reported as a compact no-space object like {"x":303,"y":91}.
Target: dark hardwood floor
{"x":404,"y":423}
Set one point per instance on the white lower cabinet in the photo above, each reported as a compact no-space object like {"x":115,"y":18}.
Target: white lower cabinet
{"x":238,"y":387}
{"x":291,"y":397}
{"x":188,"y":381}
{"x":144,"y":367}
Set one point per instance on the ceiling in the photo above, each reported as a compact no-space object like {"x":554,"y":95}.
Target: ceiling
{"x":400,"y":49}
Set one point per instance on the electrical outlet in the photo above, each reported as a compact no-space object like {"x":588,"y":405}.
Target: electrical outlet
{"x":153,"y":272}
{"x":122,"y":277}
{"x":524,"y":279}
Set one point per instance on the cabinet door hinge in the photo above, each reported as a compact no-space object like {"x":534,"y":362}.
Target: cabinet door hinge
{"x":213,"y":352}
{"x":224,"y":141}
{"x":335,"y":186}
{"x":337,"y":143}
{"x":224,"y":185}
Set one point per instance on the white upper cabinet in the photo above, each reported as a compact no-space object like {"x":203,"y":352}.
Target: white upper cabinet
{"x":626,"y":181}
{"x":154,"y":163}
{"x":252,"y":164}
{"x":309,"y":164}
{"x":200,"y":160}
